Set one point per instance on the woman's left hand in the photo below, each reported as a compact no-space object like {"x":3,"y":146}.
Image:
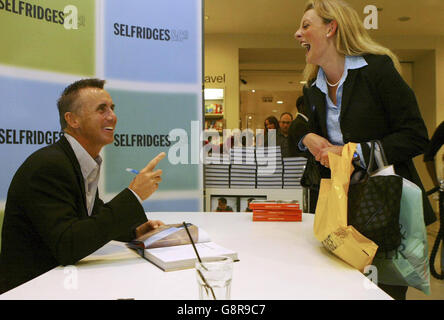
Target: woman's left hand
{"x":322,"y":156}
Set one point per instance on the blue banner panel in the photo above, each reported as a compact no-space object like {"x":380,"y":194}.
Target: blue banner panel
{"x":174,"y":205}
{"x":145,"y":120}
{"x":152,"y":41}
{"x":29,"y":121}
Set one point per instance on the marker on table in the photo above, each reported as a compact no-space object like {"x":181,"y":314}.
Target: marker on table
{"x":132,"y":170}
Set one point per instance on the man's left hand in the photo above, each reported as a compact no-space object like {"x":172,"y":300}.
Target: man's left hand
{"x":147,"y":227}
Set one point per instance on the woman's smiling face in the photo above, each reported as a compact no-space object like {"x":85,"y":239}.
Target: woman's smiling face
{"x":313,"y":34}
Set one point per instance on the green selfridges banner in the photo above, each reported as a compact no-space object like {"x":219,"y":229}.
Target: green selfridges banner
{"x":149,"y":53}
{"x":60,"y":32}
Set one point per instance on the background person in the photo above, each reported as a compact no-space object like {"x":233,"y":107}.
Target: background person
{"x":298,"y":128}
{"x":222,"y":206}
{"x":282,"y":134}
{"x":53,"y":213}
{"x":270,"y":123}
{"x":248,"y":209}
{"x":436,"y":143}
{"x":356,"y":94}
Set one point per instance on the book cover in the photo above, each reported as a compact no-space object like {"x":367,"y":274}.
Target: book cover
{"x":292,"y":218}
{"x":277,"y":215}
{"x":274,"y":204}
{"x":277,"y":212}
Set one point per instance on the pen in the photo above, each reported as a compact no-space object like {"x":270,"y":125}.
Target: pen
{"x":132,"y":170}
{"x":192,"y":242}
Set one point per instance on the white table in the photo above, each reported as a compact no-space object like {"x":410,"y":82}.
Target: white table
{"x":278,"y":260}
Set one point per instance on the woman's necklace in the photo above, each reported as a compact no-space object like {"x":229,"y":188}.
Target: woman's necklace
{"x":334,"y":84}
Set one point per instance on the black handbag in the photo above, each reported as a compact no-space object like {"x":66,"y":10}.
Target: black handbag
{"x":374,"y":204}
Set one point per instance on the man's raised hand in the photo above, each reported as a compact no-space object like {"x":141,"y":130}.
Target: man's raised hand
{"x":147,"y":181}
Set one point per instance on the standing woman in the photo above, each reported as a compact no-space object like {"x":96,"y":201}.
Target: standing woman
{"x":269,"y":124}
{"x":355,"y":93}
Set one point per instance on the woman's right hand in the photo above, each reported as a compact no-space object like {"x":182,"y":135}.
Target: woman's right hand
{"x":315,"y":144}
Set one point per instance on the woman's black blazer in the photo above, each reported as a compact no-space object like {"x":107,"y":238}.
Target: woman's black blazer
{"x":377,"y":104}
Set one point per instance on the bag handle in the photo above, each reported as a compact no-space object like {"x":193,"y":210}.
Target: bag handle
{"x":372,"y":154}
{"x":381,"y":150}
{"x":360,"y":174}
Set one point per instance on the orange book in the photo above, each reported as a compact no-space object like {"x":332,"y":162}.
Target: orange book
{"x":282,"y":217}
{"x":277,"y":215}
{"x":274,"y":204}
{"x":277,"y":211}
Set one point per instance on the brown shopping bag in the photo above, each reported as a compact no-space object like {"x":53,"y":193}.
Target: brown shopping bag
{"x":330,"y":223}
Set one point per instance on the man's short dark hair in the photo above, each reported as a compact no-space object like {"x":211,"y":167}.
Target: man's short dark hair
{"x":291,"y":116}
{"x":66,"y":102}
{"x":223,"y":200}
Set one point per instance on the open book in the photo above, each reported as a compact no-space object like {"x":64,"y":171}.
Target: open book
{"x":169,"y":247}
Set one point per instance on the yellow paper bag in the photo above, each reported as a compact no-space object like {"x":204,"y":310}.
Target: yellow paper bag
{"x":330,"y":223}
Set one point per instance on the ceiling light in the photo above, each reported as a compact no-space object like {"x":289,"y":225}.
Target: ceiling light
{"x":279,"y":102}
{"x":206,"y":17}
{"x":253,"y":90}
{"x":303,"y":82}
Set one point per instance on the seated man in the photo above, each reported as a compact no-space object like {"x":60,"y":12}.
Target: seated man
{"x":53,"y":213}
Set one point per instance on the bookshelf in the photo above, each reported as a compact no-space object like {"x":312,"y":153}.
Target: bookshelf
{"x":214,"y":109}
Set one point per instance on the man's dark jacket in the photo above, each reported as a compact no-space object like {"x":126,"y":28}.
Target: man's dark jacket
{"x":377,"y":104}
{"x":46,"y":223}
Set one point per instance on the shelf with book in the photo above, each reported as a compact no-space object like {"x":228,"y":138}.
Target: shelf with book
{"x":214,"y":115}
{"x":217,"y":124}
{"x":214,"y":109}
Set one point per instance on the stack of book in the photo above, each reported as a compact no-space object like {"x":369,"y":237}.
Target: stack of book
{"x":251,"y":168}
{"x":293,"y":169}
{"x":276,"y":210}
{"x":243,"y":168}
{"x":269,"y":168}
{"x":217,"y":171}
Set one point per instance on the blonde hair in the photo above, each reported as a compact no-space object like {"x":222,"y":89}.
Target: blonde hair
{"x":352,"y":39}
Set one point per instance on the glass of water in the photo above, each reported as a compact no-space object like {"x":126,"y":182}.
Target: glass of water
{"x":214,"y":278}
